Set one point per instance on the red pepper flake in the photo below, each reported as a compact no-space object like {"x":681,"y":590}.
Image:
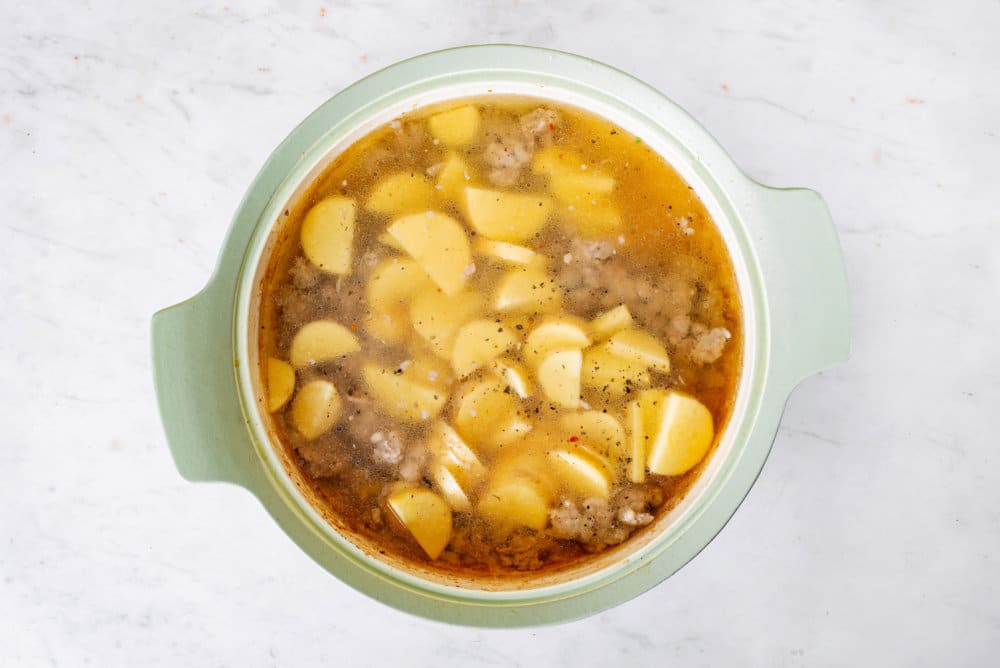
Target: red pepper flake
{"x":354,"y":326}
{"x":574,"y":439}
{"x":552,"y":127}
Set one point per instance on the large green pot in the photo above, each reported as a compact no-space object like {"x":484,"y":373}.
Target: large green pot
{"x":791,"y":281}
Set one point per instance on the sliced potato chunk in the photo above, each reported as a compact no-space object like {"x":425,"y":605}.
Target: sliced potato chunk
{"x":511,"y":430}
{"x":514,"y":375}
{"x":479,"y":342}
{"x":401,"y":396}
{"x":425,"y":515}
{"x":394,"y":282}
{"x":439,"y":245}
{"x":611,"y":322}
{"x":455,"y":127}
{"x":556,"y":160}
{"x":642,"y":347}
{"x":602,"y":430}
{"x":682,"y":433}
{"x":385,"y":239}
{"x":596,"y":219}
{"x":400,"y":193}
{"x":514,"y":500}
{"x":555,"y":333}
{"x":448,"y":449}
{"x":527,"y":460}
{"x":506,"y":216}
{"x":389,"y":327}
{"x":428,"y":369}
{"x":635,"y":467}
{"x":280,"y":383}
{"x":437,"y":317}
{"x":320,"y":341}
{"x":580,"y":188}
{"x":327,"y":234}
{"x":582,"y":470}
{"x":559,"y":377}
{"x":609,"y":373}
{"x":447,"y":484}
{"x":315,"y":408}
{"x":483,"y":408}
{"x":454,"y":176}
{"x":506,"y":252}
{"x":528,"y":290}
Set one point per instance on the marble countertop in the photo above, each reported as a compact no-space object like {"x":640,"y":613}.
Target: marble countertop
{"x":128,"y":134}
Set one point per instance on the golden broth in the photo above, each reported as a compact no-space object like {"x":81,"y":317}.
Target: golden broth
{"x":534,"y":302}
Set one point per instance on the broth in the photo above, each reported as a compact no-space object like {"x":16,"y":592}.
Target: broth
{"x":499,"y":335}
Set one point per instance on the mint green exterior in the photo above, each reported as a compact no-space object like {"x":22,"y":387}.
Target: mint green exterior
{"x":793,"y":287}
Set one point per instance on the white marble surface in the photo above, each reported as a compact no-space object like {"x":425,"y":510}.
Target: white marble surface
{"x":129,"y":133}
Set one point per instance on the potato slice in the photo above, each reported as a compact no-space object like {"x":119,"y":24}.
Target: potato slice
{"x":529,"y":290}
{"x":453,"y":178}
{"x":571,"y":178}
{"x":385,"y":239}
{"x":315,"y":408}
{"x":389,"y":291}
{"x":559,"y":377}
{"x":394,"y":282}
{"x":582,"y":470}
{"x":401,"y":396}
{"x":280,"y":383}
{"x":506,"y":216}
{"x":602,"y":430}
{"x":436,"y":317}
{"x":635,"y":465}
{"x":682,"y":433}
{"x":429,"y":369}
{"x":511,"y":430}
{"x":527,"y":459}
{"x":389,"y":327}
{"x":596,"y":219}
{"x":447,"y":484}
{"x":455,"y":127}
{"x":448,"y":449}
{"x":514,"y":375}
{"x":320,"y":341}
{"x":515,"y":500}
{"x":483,"y":408}
{"x":642,"y":347}
{"x":425,"y":515}
{"x":400,"y":193}
{"x":554,"y":333}
{"x":611,"y":322}
{"x":439,"y":245}
{"x":612,"y":374}
{"x":556,"y":160}
{"x":580,"y":188}
{"x":506,"y":252}
{"x":327,"y":234}
{"x":478,"y":343}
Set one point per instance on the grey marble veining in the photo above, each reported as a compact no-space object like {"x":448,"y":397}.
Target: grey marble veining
{"x":128,"y":135}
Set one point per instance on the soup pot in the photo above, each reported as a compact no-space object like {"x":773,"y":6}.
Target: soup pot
{"x":790,"y":277}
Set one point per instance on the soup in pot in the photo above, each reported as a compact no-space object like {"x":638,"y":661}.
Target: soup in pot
{"x":498,"y":335}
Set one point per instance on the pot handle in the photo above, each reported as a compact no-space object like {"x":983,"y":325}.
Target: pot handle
{"x":803,"y":268}
{"x":196,"y":388}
